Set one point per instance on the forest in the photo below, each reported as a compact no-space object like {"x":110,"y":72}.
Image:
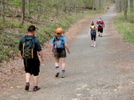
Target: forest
{"x":47,"y":15}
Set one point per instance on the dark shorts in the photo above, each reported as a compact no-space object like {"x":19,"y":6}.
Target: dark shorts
{"x":32,"y":66}
{"x":60,"y":54}
{"x":100,"y":30}
{"x":93,"y":37}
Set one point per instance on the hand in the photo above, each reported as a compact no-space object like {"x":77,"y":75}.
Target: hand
{"x":42,"y":59}
{"x":68,"y":51}
{"x":52,"y":54}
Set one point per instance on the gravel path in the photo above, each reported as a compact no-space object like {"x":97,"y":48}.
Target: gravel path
{"x":102,"y":73}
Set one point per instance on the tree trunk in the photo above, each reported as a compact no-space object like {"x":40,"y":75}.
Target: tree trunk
{"x":23,"y":12}
{"x":131,"y":5}
{"x":29,"y":1}
{"x":3,"y":11}
{"x":125,"y":8}
{"x":93,"y":5}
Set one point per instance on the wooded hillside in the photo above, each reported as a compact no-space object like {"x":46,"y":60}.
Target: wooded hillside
{"x":46,"y":15}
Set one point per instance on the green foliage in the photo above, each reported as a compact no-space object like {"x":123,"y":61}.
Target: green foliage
{"x":125,"y":28}
{"x":46,"y":15}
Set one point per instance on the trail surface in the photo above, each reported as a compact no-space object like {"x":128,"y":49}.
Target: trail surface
{"x":102,"y":73}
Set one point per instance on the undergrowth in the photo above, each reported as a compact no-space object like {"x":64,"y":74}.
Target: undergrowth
{"x":125,"y":27}
{"x":12,"y":32}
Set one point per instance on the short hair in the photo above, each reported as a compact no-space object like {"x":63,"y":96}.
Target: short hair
{"x":31,"y":28}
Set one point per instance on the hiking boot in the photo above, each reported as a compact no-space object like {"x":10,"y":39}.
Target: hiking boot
{"x":63,"y":75}
{"x":27,"y":86}
{"x":57,"y":74}
{"x":36,"y":88}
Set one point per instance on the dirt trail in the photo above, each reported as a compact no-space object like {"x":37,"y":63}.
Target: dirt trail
{"x":102,"y":73}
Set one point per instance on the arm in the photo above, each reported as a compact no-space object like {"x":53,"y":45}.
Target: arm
{"x":41,"y":55}
{"x":66,"y":46}
{"x":20,"y":54}
{"x":103,"y":24}
{"x":39,"y":49}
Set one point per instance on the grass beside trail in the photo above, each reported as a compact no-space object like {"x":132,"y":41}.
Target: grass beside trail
{"x":12,"y":32}
{"x":126,"y":28}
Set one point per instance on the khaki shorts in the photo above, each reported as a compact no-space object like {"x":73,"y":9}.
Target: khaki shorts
{"x":60,"y":54}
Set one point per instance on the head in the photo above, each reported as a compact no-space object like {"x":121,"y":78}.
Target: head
{"x":31,"y":29}
{"x":92,"y":23}
{"x":59,"y":32}
{"x":100,"y":18}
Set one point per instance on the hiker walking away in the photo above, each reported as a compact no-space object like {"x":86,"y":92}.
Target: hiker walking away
{"x":29,"y":49}
{"x":92,"y":33}
{"x":101,"y":25}
{"x":59,"y":47}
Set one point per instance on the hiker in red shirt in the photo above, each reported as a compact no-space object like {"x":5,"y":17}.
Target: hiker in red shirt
{"x":100,"y":24}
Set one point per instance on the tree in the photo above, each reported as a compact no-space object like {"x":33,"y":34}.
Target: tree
{"x":125,"y":8}
{"x":23,"y":11}
{"x":131,"y":5}
{"x":3,"y":11}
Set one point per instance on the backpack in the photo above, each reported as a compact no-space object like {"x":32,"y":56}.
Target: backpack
{"x":58,"y":44}
{"x":93,"y":31}
{"x":28,"y":47}
{"x":100,"y":23}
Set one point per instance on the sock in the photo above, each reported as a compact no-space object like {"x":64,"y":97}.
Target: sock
{"x":57,"y":68}
{"x":63,"y":71}
{"x":27,"y":82}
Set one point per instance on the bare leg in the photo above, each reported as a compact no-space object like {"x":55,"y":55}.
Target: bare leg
{"x":36,"y":78}
{"x":94,"y":42}
{"x":63,"y":67}
{"x":63,"y":64}
{"x":28,"y":75}
{"x":57,"y":66}
{"x":100,"y":34}
{"x":56,"y":61}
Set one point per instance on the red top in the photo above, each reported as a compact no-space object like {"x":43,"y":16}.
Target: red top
{"x":99,"y":27}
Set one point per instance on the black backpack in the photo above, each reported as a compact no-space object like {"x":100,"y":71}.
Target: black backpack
{"x":93,"y":31}
{"x":28,"y":47}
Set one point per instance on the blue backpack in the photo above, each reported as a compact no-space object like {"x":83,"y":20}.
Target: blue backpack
{"x":58,"y":44}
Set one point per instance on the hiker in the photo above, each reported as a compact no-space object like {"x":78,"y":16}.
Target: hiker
{"x":101,"y":25}
{"x":59,"y":47}
{"x":92,"y":33}
{"x":29,"y":49}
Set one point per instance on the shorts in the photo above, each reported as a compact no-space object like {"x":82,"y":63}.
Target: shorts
{"x":61,"y":54}
{"x":93,"y":37}
{"x":100,"y":30}
{"x":32,"y":66}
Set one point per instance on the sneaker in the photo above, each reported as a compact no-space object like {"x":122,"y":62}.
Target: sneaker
{"x":92,"y":45}
{"x":99,"y":35}
{"x":36,"y":88}
{"x":27,"y":86}
{"x":63,"y":75}
{"x":57,"y":74}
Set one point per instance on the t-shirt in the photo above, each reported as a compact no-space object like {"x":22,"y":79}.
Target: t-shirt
{"x":99,"y":27}
{"x":37,"y":45}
